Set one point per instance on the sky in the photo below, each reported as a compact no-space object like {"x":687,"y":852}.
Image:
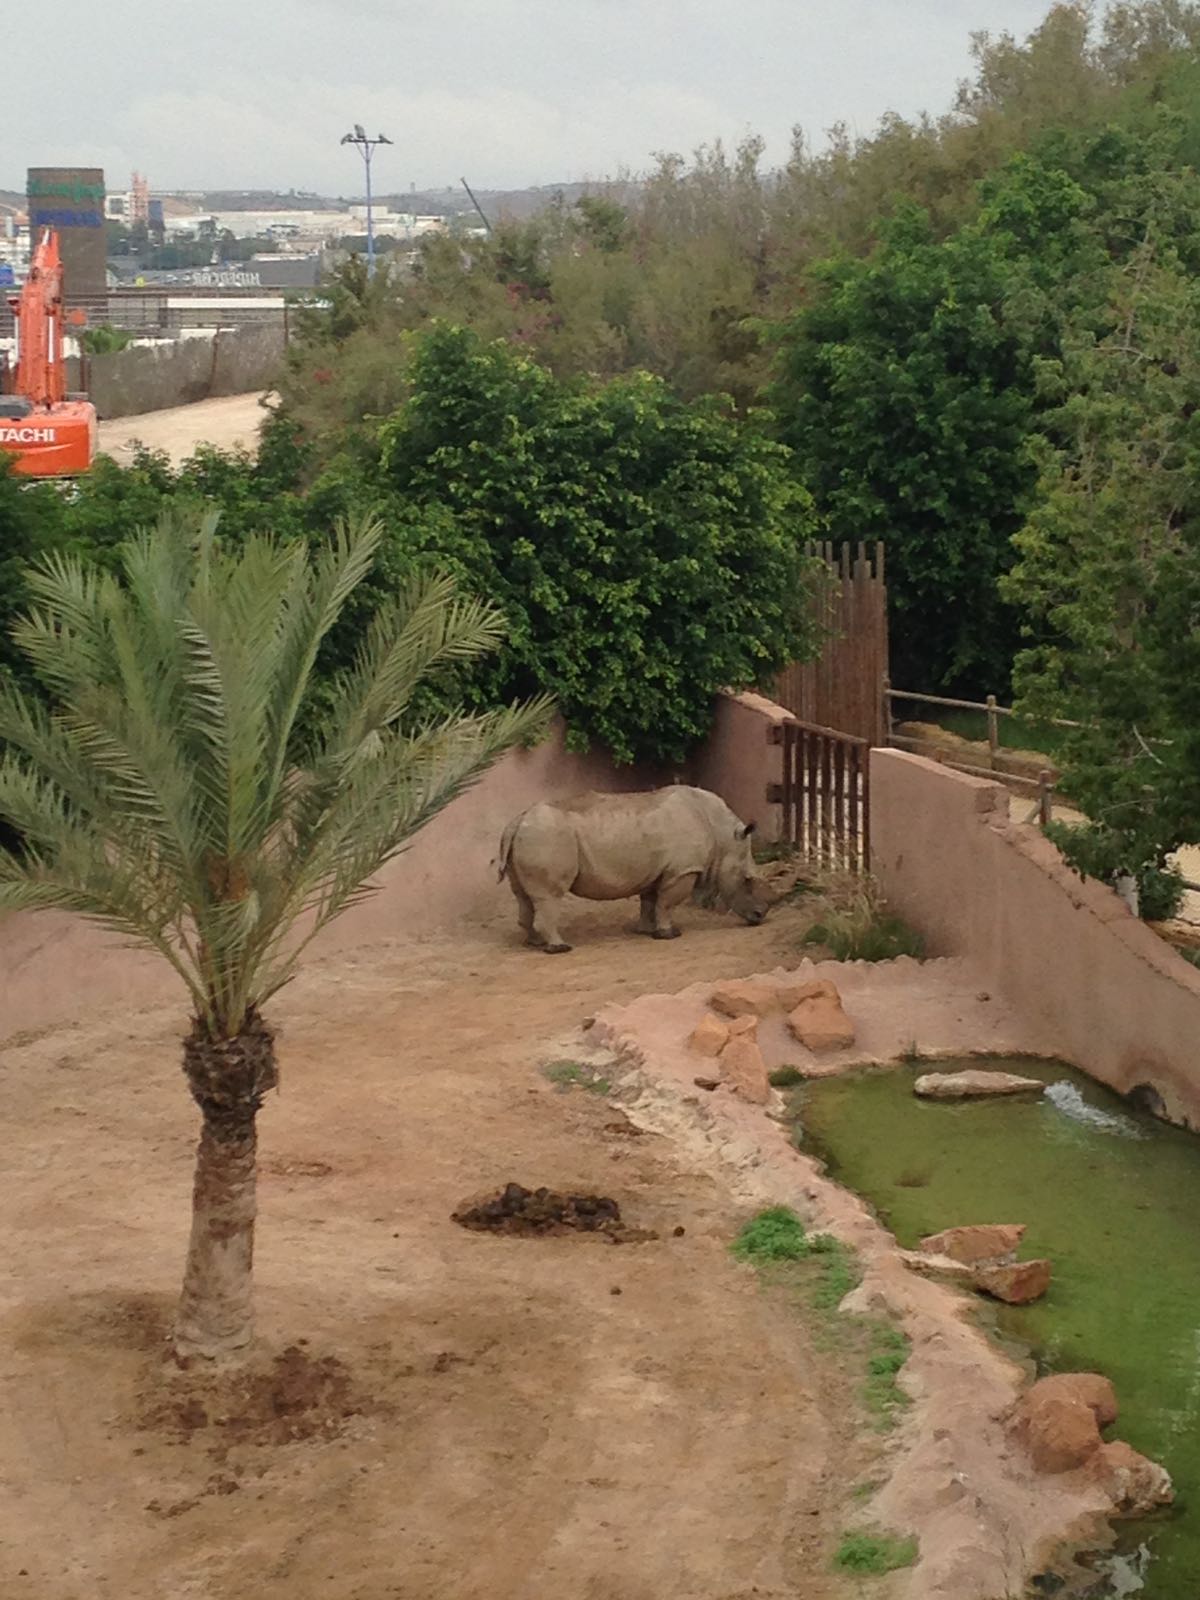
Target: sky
{"x":508,"y":93}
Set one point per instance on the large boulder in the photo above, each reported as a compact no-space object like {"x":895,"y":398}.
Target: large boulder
{"x":975,"y":1083}
{"x":981,"y":1243}
{"x":744,"y":998}
{"x":1017,"y":1283}
{"x":1059,"y":1419}
{"x":817,"y":1018}
{"x":742,"y":1067}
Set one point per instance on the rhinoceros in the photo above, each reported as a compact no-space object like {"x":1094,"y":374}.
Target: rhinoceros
{"x":660,"y":845}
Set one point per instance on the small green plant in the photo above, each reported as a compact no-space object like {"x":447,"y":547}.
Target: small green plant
{"x":776,"y":1234}
{"x":104,"y":340}
{"x":785,"y":1077}
{"x":576,"y":1074}
{"x":863,"y":930}
{"x":874,"y":1553}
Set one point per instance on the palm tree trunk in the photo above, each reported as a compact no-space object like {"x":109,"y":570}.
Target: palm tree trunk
{"x":228,"y":1079}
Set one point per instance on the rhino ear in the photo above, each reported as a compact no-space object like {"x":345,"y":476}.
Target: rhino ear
{"x":749,"y":829}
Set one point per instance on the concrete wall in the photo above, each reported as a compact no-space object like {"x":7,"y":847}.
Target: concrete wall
{"x":1108,"y":994}
{"x":56,"y":968}
{"x":154,"y":377}
{"x":739,"y":759}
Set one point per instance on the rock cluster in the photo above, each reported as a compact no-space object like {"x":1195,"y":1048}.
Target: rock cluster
{"x":1058,"y":1421}
{"x":728,"y":1034}
{"x":984,"y":1257}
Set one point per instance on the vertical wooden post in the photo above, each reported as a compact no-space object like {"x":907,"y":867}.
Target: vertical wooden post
{"x":1045,"y":796}
{"x":993,"y":727}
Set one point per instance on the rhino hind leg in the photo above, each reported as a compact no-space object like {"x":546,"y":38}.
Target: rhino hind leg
{"x":545,"y":927}
{"x":663,"y":901}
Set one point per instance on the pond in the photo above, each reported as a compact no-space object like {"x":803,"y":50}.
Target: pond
{"x":1111,"y":1197}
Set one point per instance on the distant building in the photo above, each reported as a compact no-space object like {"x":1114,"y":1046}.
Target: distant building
{"x":71,"y":201}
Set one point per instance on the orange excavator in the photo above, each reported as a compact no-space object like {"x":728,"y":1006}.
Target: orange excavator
{"x":47,"y":434}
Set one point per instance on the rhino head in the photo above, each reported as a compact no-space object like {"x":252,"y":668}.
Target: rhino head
{"x":737,"y":884}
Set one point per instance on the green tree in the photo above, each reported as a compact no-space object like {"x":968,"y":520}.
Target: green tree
{"x":906,"y":400}
{"x":168,"y":798}
{"x":1108,"y":560}
{"x":647,"y":553}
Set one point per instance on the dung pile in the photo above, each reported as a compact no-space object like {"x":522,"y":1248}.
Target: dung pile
{"x":517,"y":1210}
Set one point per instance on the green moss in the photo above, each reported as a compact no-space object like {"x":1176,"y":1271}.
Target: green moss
{"x":776,"y":1234}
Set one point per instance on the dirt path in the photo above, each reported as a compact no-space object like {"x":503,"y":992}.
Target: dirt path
{"x":488,"y":1417}
{"x":230,"y":423}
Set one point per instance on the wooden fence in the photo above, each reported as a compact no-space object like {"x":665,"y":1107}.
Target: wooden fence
{"x":825,"y":795}
{"x":844,"y":688}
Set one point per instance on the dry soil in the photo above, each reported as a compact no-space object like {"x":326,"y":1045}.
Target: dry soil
{"x":230,"y":423}
{"x":433,"y":1413}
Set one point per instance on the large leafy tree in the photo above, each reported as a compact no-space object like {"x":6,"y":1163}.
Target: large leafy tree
{"x":646,"y":552}
{"x":1108,"y":560}
{"x":904,"y":395}
{"x":168,"y":796}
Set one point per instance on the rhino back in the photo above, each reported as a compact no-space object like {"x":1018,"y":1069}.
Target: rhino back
{"x":627,"y":843}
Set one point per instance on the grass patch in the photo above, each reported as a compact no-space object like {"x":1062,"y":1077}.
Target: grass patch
{"x":785,"y":1077}
{"x":575,"y":1074}
{"x":872,"y":936}
{"x":823,"y":1271}
{"x":874,"y":1553}
{"x":882,"y":1395}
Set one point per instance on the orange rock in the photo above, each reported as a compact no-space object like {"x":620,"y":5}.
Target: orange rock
{"x":744,"y":999}
{"x":1092,"y":1388}
{"x":1015,"y":1282}
{"x":980,"y":1243}
{"x":744,"y":1070}
{"x":1136,"y":1484}
{"x":792,"y":994}
{"x":1058,"y":1419}
{"x":818,"y":1020}
{"x":743,"y":1027}
{"x":710,"y":1035}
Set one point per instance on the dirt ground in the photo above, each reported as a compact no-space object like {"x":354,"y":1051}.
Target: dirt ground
{"x":435,"y":1414}
{"x":229,"y":423}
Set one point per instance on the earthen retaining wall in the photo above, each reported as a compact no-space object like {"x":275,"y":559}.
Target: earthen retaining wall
{"x":1107,"y":993}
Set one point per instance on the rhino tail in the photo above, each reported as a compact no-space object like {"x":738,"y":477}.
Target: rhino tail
{"x":507,"y":839}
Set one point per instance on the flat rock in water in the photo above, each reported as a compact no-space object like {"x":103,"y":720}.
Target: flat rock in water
{"x":974,"y":1084}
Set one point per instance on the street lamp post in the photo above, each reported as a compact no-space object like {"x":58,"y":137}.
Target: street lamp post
{"x":366,"y":149}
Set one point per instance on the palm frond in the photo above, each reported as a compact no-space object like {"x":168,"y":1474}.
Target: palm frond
{"x":162,"y":797}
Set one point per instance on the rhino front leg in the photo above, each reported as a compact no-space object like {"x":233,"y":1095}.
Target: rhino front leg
{"x":670,"y":895}
{"x":545,"y":926}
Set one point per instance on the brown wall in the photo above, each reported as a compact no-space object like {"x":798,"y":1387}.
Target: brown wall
{"x":739,"y":761}
{"x":56,"y":968}
{"x":154,"y":377}
{"x":1111,"y":997}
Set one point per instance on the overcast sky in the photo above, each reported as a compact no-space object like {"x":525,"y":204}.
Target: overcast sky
{"x":256,"y":93}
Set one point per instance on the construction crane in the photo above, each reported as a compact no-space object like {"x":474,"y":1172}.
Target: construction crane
{"x":46,"y":434}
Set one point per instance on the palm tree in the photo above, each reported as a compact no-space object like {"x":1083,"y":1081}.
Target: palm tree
{"x":171,"y":796}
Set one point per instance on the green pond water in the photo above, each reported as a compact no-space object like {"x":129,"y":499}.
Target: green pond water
{"x":1111,"y":1197}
